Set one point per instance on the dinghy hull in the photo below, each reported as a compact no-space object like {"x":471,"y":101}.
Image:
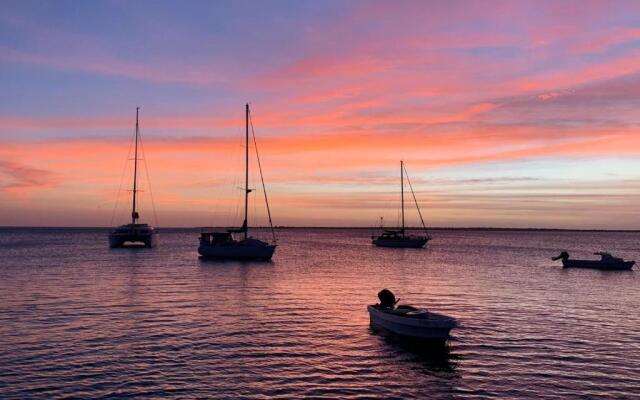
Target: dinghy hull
{"x":424,"y":327}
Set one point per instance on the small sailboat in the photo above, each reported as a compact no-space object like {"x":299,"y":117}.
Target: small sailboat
{"x":399,"y":237}
{"x":134,"y":234}
{"x":225,"y":245}
{"x":408,"y":321}
{"x":606,"y":262}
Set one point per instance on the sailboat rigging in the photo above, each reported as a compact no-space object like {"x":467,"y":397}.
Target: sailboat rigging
{"x":399,"y":237}
{"x":134,"y":234}
{"x":223,"y":245}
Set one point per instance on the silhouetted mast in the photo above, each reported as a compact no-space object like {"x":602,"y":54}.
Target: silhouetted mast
{"x":134,"y":213}
{"x":245,"y":225}
{"x":402,"y":193}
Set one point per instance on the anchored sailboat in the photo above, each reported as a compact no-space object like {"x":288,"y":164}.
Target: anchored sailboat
{"x":134,"y":234}
{"x":223,"y":245}
{"x":399,"y":237}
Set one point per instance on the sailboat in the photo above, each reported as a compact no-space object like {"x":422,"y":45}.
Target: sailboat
{"x":399,"y":237}
{"x":236,"y":243}
{"x":134,"y":234}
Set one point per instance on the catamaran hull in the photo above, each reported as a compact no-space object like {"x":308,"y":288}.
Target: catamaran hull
{"x":434,"y":328}
{"x":594,"y":264}
{"x":401,"y":243}
{"x":133,"y":240}
{"x":259,"y":253}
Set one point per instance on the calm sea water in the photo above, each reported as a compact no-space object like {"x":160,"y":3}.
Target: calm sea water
{"x":80,"y":320}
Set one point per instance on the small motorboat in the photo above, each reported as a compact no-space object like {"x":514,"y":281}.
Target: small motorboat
{"x":606,"y":262}
{"x":408,"y":321}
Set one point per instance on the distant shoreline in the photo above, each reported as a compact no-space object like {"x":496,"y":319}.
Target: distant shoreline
{"x":438,"y":228}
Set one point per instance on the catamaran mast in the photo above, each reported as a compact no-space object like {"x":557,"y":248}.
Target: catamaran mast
{"x":134,"y":213}
{"x":245,"y":225}
{"x":402,"y":193}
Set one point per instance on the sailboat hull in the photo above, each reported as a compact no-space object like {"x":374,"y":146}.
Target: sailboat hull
{"x":412,"y":243}
{"x":138,"y":235}
{"x":237,"y":251}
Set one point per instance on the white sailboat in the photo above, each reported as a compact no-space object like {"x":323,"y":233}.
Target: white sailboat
{"x":134,"y":234}
{"x":399,"y":237}
{"x":226,"y":244}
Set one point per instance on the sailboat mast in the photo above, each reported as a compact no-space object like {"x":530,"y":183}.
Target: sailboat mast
{"x":134,"y":213}
{"x":246,"y":172}
{"x":402,"y":192}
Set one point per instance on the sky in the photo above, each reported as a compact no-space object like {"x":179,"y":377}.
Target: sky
{"x":506,"y":113}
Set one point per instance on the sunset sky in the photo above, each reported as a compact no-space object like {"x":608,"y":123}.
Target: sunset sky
{"x":507,"y":113}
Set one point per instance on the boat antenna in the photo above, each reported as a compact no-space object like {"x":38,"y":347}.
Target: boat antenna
{"x":402,"y":194}
{"x":245,"y":224}
{"x":134,"y":213}
{"x":264,"y":187}
{"x":416,"y":201}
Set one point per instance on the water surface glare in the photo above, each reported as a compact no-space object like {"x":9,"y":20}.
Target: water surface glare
{"x":80,"y":320}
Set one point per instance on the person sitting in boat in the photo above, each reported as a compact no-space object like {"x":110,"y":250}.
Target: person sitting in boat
{"x":387,"y":299}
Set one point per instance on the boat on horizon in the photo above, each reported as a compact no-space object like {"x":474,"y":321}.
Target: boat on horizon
{"x":236,"y":244}
{"x":134,"y":234}
{"x":606,"y":262}
{"x":399,"y":237}
{"x":409,"y":322}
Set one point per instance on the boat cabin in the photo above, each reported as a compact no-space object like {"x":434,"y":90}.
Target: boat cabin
{"x":141,"y":229}
{"x":391,"y":235}
{"x":212,"y":238}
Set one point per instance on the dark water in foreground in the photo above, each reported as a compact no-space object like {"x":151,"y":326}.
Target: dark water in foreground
{"x":78,"y":319}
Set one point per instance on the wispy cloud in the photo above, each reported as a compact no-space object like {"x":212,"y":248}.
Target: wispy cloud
{"x":19,"y":179}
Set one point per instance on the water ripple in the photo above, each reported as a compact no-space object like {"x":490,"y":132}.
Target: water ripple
{"x":78,"y":320}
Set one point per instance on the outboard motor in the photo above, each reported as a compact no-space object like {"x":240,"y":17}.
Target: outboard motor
{"x":564,"y":255}
{"x":387,"y":299}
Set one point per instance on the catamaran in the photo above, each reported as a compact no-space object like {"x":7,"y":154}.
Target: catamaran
{"x":225,"y":245}
{"x":399,"y":237}
{"x":134,"y":234}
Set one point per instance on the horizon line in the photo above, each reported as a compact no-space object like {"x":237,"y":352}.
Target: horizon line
{"x":437,"y":228}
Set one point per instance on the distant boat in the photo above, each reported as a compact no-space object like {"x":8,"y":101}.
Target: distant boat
{"x":606,"y":262}
{"x":134,"y":234}
{"x":399,"y":237}
{"x":409,"y":321}
{"x":223,"y":245}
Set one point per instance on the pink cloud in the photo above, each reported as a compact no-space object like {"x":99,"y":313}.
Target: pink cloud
{"x":20,"y":179}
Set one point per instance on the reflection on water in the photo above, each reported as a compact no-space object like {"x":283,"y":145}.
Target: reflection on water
{"x":79,"y":319}
{"x":433,"y":356}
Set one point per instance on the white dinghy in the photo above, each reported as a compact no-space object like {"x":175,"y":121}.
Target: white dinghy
{"x":408,"y":321}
